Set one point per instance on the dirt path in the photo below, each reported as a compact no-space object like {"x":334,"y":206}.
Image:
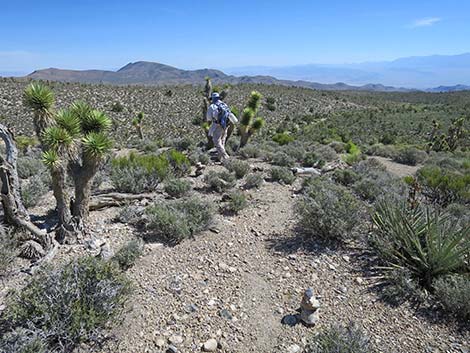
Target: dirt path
{"x":237,"y":282}
{"x":400,"y":170}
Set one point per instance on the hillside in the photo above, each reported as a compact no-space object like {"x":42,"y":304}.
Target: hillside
{"x":150,"y":73}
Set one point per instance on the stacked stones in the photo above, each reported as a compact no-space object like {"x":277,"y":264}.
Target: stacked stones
{"x":309,"y":306}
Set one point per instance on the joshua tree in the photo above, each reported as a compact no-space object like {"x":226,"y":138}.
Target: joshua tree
{"x":137,"y":122}
{"x":73,"y":139}
{"x":250,"y":122}
{"x":450,"y":141}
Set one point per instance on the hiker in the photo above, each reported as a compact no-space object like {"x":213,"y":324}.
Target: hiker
{"x":219,"y":114}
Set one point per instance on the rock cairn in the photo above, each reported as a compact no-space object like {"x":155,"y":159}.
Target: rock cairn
{"x":309,"y":306}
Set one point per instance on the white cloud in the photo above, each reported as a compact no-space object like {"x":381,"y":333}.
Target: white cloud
{"x":425,"y":22}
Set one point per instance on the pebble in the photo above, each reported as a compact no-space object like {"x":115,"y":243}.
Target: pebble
{"x":172,"y":349}
{"x":359,"y":280}
{"x":290,"y":320}
{"x":210,"y":345}
{"x":293,"y":349}
{"x":159,"y":342}
{"x":175,"y":339}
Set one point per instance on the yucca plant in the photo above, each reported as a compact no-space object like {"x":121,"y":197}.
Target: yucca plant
{"x":250,"y":122}
{"x":72,"y":139}
{"x":137,"y":123}
{"x":420,"y":240}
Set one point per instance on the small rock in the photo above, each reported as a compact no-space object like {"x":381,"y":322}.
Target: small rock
{"x":175,"y":339}
{"x":210,"y":345}
{"x":293,"y":349}
{"x":225,"y":314}
{"x":359,"y":280}
{"x":172,"y":349}
{"x":160,"y":342}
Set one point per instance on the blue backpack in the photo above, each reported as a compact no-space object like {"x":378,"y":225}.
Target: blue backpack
{"x":223,"y":114}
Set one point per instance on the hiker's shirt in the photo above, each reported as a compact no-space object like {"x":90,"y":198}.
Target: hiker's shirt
{"x":212,"y":115}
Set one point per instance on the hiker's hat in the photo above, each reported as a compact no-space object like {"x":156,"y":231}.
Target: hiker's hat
{"x":215,"y":96}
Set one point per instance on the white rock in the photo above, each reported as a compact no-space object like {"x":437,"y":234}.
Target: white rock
{"x":176,"y":339}
{"x":293,"y":349}
{"x":210,"y":345}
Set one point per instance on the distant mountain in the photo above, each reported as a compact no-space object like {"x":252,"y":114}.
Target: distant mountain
{"x":150,"y":73}
{"x":419,"y":72}
{"x":449,"y":88}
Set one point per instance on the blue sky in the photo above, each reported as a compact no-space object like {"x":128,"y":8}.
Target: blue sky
{"x":107,"y":34}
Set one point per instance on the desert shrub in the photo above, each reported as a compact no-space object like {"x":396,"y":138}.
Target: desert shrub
{"x":33,"y":190}
{"x":410,"y":156}
{"x":460,"y":214}
{"x":282,"y":175}
{"x":199,"y":157}
{"x":254,"y":180}
{"x":326,"y":210}
{"x":295,"y":150}
{"x":326,"y":153}
{"x":63,"y":307}
{"x":138,"y":173}
{"x":353,"y":153}
{"x":387,"y":151}
{"x":453,"y":292}
{"x":420,"y":240}
{"x":240,"y":168}
{"x":177,"y":220}
{"x":180,"y":164}
{"x":345,"y":177}
{"x":282,"y":159}
{"x":338,"y":146}
{"x":219,"y":181}
{"x":182,"y":144}
{"x":23,"y":341}
{"x":147,"y":145}
{"x":250,"y":151}
{"x":400,"y":286}
{"x":117,"y":107}
{"x":283,"y":138}
{"x":177,"y":187}
{"x":236,"y":202}
{"x":29,"y":166}
{"x":373,"y":181}
{"x":337,"y":339}
{"x":444,"y":186}
{"x":25,"y":142}
{"x":127,"y":255}
{"x":130,"y":214}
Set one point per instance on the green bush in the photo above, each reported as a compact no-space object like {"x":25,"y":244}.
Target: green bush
{"x":410,"y":156}
{"x":254,"y":180}
{"x":60,"y":308}
{"x":130,"y":214}
{"x":179,"y":163}
{"x":282,"y":175}
{"x":138,"y":173}
{"x":326,"y":153}
{"x":29,"y":166}
{"x":337,"y":339}
{"x":250,"y":151}
{"x":312,"y":160}
{"x":453,"y":292}
{"x":387,"y":151}
{"x":240,"y":168}
{"x":127,"y":255}
{"x":353,"y":153}
{"x":444,"y":186}
{"x":282,"y":159}
{"x":420,"y":240}
{"x":177,"y":220}
{"x":177,"y":187}
{"x":25,"y":142}
{"x":33,"y":190}
{"x":283,"y":138}
{"x":219,"y":181}
{"x":345,"y":177}
{"x":326,"y":210}
{"x":236,"y":202}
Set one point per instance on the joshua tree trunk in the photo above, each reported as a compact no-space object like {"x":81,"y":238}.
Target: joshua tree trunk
{"x":245,"y":136}
{"x":83,"y":178}
{"x":140,"y":132}
{"x":14,"y":210}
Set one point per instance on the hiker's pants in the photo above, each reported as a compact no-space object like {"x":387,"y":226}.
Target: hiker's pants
{"x":219,"y":135}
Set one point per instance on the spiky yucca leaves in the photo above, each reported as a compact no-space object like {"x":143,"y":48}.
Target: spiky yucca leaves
{"x":40,"y":99}
{"x":137,"y":123}
{"x":96,"y":145}
{"x":426,"y":243}
{"x":95,"y":121}
{"x":250,"y":122}
{"x":69,"y":121}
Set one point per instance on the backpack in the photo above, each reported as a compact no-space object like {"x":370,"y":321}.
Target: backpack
{"x":223,"y":114}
